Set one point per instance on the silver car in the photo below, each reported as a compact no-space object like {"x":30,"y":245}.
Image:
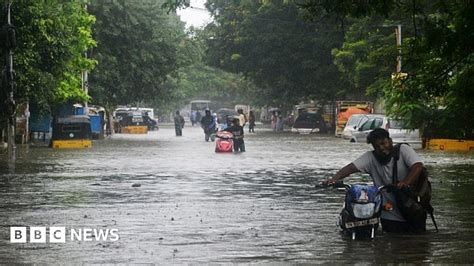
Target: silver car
{"x":395,"y":127}
{"x":353,"y":124}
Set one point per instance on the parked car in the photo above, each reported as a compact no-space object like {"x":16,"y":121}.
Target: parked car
{"x":364,"y":128}
{"x":395,"y":127}
{"x":400,"y":133}
{"x":353,"y":124}
{"x":307,"y":123}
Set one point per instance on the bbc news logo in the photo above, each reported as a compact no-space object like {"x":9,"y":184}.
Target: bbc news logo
{"x":61,"y":235}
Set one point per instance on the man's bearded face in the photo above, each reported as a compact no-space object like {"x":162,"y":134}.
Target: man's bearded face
{"x":383,"y":150}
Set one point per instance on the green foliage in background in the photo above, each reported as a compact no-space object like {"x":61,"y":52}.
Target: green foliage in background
{"x":52,"y":38}
{"x":272,"y":45}
{"x":437,"y":52}
{"x":368,"y":56}
{"x":140,"y":49}
{"x":269,"y":52}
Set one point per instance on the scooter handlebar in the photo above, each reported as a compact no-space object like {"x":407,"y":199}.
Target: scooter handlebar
{"x":338,"y":184}
{"x":388,"y":188}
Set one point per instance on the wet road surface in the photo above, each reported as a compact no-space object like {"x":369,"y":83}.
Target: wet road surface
{"x":174,"y":200}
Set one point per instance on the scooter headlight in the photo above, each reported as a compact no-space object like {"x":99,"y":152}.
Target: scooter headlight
{"x":363,"y":211}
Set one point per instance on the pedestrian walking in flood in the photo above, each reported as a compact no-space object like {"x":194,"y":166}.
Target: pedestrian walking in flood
{"x":208,"y":124}
{"x":193,"y":117}
{"x":279,"y":123}
{"x":242,"y":118}
{"x":178,"y":124}
{"x":198,"y":117}
{"x":274,"y":120}
{"x":251,"y":122}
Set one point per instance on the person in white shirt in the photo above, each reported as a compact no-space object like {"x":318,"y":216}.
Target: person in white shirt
{"x":242,"y":118}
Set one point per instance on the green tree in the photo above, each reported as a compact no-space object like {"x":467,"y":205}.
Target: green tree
{"x":367,"y":57}
{"x":441,"y":59}
{"x":140,"y":49}
{"x":438,"y":57}
{"x":196,"y":80}
{"x":272,"y":44}
{"x":52,"y":37}
{"x":204,"y":82}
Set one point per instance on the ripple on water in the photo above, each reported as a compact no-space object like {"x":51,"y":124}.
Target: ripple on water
{"x":174,"y":200}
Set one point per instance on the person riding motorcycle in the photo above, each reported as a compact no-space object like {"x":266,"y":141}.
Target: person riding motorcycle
{"x":208,"y":124}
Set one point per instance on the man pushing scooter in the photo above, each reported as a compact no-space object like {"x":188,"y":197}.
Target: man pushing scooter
{"x":398,"y":166}
{"x":238,"y":132}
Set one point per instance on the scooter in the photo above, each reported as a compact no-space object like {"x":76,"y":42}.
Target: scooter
{"x":224,"y":141}
{"x":360,"y":215}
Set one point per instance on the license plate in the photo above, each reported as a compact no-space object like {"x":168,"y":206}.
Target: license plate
{"x":362,"y":223}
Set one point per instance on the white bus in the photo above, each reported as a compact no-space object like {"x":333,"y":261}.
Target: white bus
{"x":200,"y":105}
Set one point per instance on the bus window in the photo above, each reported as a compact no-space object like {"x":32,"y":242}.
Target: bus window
{"x":200,"y":105}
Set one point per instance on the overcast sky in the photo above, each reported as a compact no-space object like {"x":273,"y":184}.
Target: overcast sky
{"x":195,"y":15}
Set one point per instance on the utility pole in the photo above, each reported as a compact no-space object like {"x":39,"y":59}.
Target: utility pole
{"x":85,"y":80}
{"x":8,"y":38}
{"x":398,"y":35}
{"x":380,"y":104}
{"x":85,"y":85}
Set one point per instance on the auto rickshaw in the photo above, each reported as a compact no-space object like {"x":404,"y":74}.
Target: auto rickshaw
{"x":72,"y":132}
{"x":133,"y":123}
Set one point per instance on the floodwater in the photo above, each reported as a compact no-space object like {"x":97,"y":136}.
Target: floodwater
{"x":174,"y":200}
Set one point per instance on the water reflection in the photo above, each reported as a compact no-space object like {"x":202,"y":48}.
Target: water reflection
{"x":174,"y":200}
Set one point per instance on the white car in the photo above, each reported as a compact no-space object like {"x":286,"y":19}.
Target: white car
{"x":396,"y":128}
{"x":353,"y":124}
{"x":365,"y":126}
{"x":401,"y":134}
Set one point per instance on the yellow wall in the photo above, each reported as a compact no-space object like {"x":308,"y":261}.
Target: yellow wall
{"x":450,"y":145}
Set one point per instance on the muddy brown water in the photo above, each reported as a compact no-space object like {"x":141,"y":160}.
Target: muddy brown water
{"x":174,"y":200}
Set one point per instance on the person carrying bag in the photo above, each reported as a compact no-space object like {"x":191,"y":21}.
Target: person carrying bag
{"x":414,"y":202}
{"x":379,"y":164}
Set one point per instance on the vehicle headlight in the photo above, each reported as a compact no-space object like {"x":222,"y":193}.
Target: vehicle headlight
{"x":363,"y":211}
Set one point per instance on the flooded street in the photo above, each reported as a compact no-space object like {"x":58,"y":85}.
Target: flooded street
{"x":174,"y":200}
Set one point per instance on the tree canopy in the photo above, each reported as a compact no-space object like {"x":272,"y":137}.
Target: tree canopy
{"x":52,"y":37}
{"x":280,"y":52}
{"x":140,"y":49}
{"x":272,"y":44}
{"x":437,"y":54}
